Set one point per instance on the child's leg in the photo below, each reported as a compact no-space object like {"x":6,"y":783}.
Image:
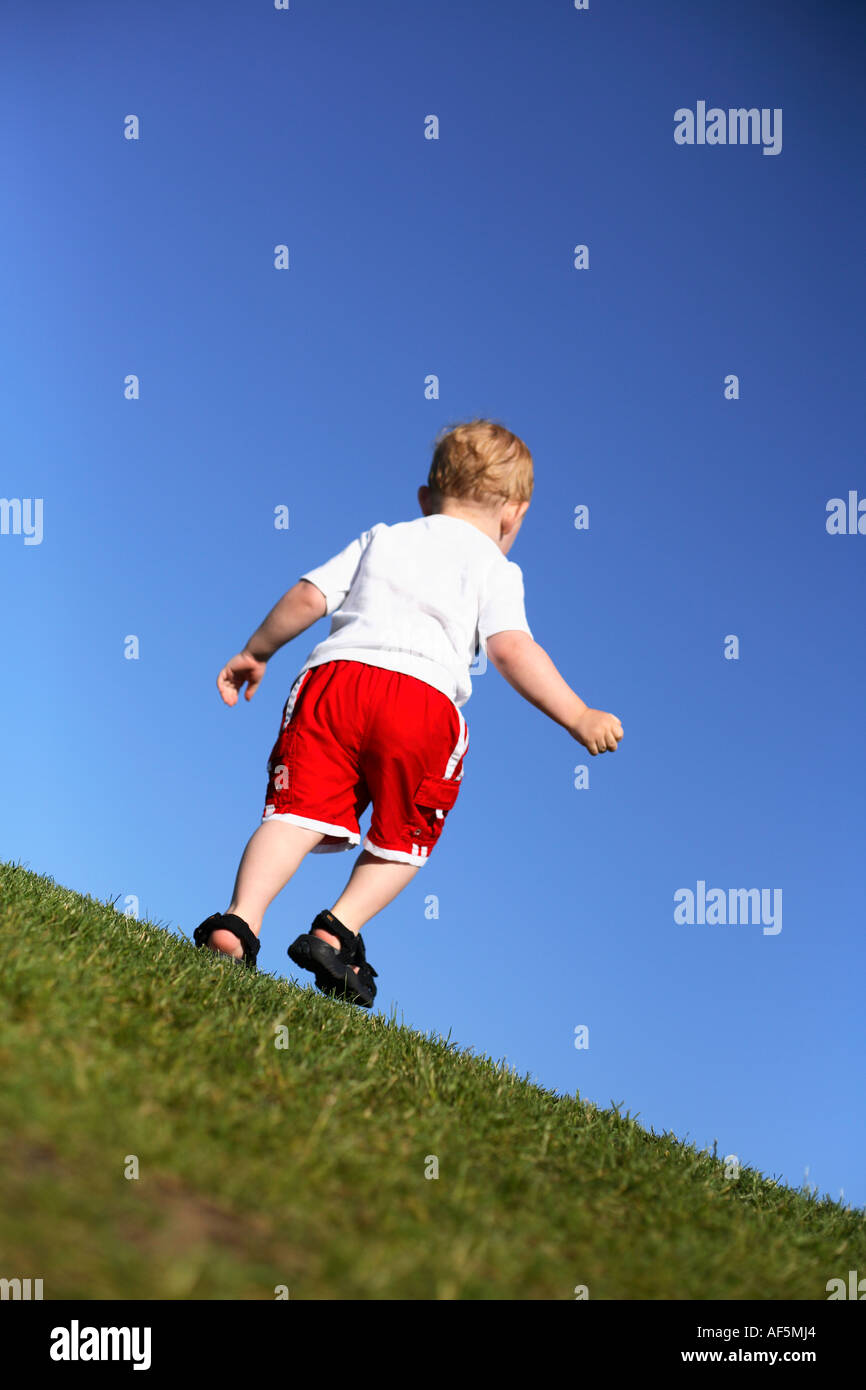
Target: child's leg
{"x":270,"y":859}
{"x":374,"y":883}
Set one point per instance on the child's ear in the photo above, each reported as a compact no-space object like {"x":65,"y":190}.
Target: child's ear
{"x":512,"y":515}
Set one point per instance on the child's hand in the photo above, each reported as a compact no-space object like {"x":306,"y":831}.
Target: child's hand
{"x":597,"y":731}
{"x":243,"y":667}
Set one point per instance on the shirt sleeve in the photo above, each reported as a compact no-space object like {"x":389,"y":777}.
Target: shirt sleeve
{"x":502,"y":606}
{"x":334,"y":577}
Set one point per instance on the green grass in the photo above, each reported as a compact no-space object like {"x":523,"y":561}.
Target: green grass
{"x":304,"y":1166}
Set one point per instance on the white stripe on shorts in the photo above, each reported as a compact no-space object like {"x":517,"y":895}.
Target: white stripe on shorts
{"x":293,"y":697}
{"x":459,"y":747}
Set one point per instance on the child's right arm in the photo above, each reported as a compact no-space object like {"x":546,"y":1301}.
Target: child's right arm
{"x":297,"y":610}
{"x":527,"y":667}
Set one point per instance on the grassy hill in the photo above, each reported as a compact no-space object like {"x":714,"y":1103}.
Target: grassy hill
{"x":304,"y":1165}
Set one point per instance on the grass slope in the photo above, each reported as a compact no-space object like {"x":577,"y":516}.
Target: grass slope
{"x":304,"y":1166}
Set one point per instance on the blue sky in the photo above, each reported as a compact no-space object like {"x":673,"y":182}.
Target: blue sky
{"x":305,"y":387}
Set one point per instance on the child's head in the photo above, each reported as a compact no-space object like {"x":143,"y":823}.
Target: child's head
{"x":481,"y":471}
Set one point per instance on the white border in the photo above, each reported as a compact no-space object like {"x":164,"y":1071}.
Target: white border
{"x":306,"y":823}
{"x":399,"y":856}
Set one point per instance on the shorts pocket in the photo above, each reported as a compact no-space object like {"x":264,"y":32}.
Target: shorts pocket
{"x":437,"y":793}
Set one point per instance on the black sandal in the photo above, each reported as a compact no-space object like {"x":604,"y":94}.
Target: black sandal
{"x":333,"y":969}
{"x":228,"y":921}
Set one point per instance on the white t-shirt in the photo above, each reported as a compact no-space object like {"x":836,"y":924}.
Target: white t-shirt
{"x":421,"y":597}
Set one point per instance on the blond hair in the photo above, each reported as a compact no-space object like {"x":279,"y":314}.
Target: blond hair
{"x":482,"y":461}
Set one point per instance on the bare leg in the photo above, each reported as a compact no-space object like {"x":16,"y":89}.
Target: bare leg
{"x":374,"y":883}
{"x":270,"y":859}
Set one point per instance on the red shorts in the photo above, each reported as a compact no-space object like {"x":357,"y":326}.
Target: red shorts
{"x":352,"y":734}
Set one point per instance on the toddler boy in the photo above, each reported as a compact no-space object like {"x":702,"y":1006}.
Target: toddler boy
{"x":374,"y":714}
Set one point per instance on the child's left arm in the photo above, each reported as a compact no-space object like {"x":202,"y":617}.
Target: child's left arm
{"x":297,"y":610}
